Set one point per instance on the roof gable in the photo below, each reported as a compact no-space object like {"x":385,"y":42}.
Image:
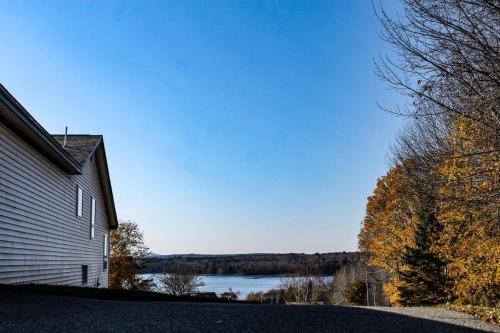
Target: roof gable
{"x":70,"y":159}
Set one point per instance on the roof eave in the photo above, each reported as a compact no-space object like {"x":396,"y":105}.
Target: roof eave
{"x":107,"y":190}
{"x":13,"y":115}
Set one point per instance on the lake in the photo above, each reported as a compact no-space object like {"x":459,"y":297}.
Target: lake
{"x":244,"y":284}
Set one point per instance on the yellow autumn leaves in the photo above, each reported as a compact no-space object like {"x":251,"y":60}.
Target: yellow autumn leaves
{"x":465,"y":194}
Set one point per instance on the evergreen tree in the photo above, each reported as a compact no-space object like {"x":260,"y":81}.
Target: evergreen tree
{"x":424,"y":281}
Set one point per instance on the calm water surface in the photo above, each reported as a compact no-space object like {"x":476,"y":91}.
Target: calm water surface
{"x":238,"y":283}
{"x":242,"y":284}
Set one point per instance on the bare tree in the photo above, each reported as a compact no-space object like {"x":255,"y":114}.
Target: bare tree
{"x":180,"y":282}
{"x":448,"y":63}
{"x":304,"y":289}
{"x":318,"y":289}
{"x":350,"y":275}
{"x":448,"y":57}
{"x":344,"y":279}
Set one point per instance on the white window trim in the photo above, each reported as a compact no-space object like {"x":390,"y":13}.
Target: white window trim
{"x":93,"y":210}
{"x":105,"y":252}
{"x":79,"y":201}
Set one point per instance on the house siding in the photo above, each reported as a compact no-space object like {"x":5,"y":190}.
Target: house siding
{"x":41,"y":238}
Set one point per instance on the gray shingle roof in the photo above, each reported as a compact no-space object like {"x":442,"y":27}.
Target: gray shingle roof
{"x":80,"y":147}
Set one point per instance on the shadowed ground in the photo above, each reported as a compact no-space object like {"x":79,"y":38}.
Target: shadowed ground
{"x":31,"y":312}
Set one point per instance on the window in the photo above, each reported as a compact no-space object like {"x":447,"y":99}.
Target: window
{"x":92,"y":218}
{"x":79,"y":202}
{"x":85,"y":270}
{"x":105,"y":246}
{"x":105,"y":253}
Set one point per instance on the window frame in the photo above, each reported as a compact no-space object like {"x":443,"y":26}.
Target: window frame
{"x":79,"y":201}
{"x":105,"y":252}
{"x":93,"y":210}
{"x":106,"y":246}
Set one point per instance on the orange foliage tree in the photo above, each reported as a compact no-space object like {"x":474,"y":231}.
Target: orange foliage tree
{"x":449,"y":66}
{"x":469,"y":206}
{"x":389,"y":226}
{"x":127,"y":256}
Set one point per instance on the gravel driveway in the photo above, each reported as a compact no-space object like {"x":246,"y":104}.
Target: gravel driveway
{"x":21,"y":312}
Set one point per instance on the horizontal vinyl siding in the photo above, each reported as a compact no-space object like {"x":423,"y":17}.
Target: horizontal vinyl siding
{"x":41,"y":238}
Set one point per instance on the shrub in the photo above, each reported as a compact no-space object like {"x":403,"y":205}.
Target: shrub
{"x":356,"y":294}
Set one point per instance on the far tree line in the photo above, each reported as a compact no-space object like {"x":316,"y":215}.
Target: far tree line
{"x":254,"y":264}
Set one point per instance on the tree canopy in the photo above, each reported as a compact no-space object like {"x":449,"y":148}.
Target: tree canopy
{"x":447,"y":160}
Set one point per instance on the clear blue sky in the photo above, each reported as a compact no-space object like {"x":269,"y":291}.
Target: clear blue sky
{"x":230,"y":126}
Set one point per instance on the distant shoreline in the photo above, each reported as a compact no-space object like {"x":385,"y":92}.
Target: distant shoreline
{"x":253,"y":264}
